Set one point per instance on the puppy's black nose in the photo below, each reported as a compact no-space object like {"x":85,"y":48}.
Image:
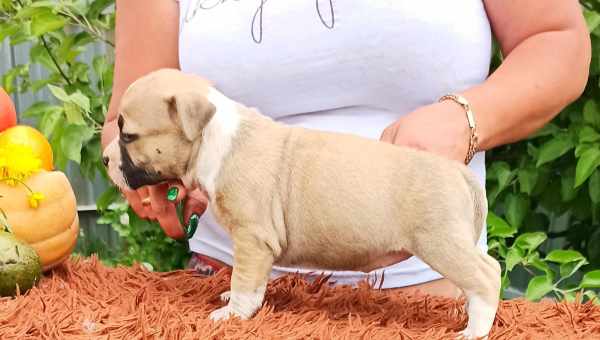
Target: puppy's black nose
{"x":105,"y":160}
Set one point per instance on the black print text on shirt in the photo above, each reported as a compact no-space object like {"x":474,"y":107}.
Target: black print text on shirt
{"x":326,"y":15}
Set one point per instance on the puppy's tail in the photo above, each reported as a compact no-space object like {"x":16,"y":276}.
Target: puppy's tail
{"x":480,"y":204}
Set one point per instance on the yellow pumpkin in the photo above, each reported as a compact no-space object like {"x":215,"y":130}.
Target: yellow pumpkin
{"x":51,"y":228}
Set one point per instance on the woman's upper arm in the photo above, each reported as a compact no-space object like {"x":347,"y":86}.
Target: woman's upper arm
{"x":146,"y":39}
{"x":515,"y":20}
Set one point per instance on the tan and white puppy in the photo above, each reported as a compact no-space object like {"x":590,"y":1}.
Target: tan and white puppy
{"x":298,"y":197}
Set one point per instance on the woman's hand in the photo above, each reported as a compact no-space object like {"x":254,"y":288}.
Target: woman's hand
{"x":441,"y":128}
{"x":545,"y":67}
{"x":159,"y":203}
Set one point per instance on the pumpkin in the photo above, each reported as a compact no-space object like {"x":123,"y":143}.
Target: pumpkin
{"x":51,"y":228}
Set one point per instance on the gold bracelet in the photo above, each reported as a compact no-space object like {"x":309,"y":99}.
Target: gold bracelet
{"x":464,"y":103}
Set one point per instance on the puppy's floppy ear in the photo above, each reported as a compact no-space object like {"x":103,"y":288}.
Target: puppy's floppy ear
{"x":191,"y":111}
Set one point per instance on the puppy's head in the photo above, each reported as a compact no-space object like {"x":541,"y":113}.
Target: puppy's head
{"x":161,"y":118}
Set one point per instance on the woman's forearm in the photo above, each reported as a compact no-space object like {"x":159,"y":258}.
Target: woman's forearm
{"x":540,"y":75}
{"x":146,"y":39}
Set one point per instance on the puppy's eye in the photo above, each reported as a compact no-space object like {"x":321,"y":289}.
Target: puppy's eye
{"x":128,"y":137}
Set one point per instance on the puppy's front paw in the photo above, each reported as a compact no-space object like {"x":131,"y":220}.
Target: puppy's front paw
{"x":223,"y":313}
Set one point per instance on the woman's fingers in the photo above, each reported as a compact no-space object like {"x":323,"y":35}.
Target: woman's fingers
{"x":159,"y":202}
{"x":157,"y":195}
{"x":146,"y":202}
{"x":135,"y":201}
{"x":169,"y":222}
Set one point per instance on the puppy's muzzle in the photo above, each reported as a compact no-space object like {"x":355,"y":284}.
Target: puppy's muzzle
{"x":136,"y":176}
{"x":124,"y":172}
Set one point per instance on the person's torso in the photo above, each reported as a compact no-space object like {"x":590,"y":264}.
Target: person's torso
{"x":351,"y":58}
{"x":351,"y":66}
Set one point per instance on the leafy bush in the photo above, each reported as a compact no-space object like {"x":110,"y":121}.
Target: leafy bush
{"x":57,"y":32}
{"x":542,"y":190}
{"x":547,"y":189}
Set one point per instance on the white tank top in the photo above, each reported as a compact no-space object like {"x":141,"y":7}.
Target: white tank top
{"x":351,"y":66}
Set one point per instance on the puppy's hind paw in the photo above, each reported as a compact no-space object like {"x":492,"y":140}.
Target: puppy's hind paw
{"x":468,"y":335}
{"x":225,"y":296}
{"x":223,"y":313}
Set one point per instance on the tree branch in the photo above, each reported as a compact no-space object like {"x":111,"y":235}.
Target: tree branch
{"x":45,"y":43}
{"x":62,"y":73}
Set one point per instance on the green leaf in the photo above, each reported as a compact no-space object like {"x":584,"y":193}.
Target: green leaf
{"x":591,"y":295}
{"x":586,"y":164}
{"x":568,"y":269}
{"x":55,"y":140}
{"x":581,"y":207}
{"x":591,"y":279}
{"x":59,"y":93}
{"x":80,"y":100}
{"x":582,"y":148}
{"x":547,"y":130}
{"x":39,"y":84}
{"x":534,"y":260}
{"x":595,"y":60}
{"x":44,"y":3}
{"x":591,"y":113}
{"x":517,"y":207}
{"x":22,"y":35}
{"x":493,"y":244}
{"x":77,"y":99}
{"x":567,"y":185}
{"x":107,"y":197}
{"x":28,"y":12}
{"x":9,"y":79}
{"x":532,"y":150}
{"x":592,"y":249}
{"x":46,"y":22}
{"x":73,"y":114}
{"x":38,"y":54}
{"x":555,"y":148}
{"x":588,"y":135}
{"x":37,"y":109}
{"x":513,"y":257}
{"x":65,"y":51}
{"x":594,"y":187}
{"x":80,"y":72}
{"x":527,"y":179}
{"x":504,"y":284}
{"x":592,"y":19}
{"x":538,"y":287}
{"x":498,"y":227}
{"x":7,"y":30}
{"x":50,"y":120}
{"x":564,"y":256}
{"x":90,"y":158}
{"x":530,"y":241}
{"x":98,"y":6}
{"x":492,"y":191}
{"x":502,"y":173}
{"x":73,"y":138}
{"x":100,"y":66}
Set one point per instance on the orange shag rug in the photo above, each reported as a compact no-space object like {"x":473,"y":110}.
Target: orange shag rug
{"x":85,"y":300}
